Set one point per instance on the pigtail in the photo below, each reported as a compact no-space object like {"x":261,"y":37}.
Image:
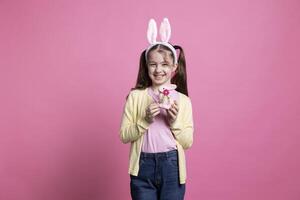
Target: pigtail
{"x":180,"y":77}
{"x":143,"y":80}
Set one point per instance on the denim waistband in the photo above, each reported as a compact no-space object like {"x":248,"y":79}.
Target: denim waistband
{"x":167,"y":154}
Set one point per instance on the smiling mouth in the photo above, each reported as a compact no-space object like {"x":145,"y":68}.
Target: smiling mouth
{"x":158,"y":76}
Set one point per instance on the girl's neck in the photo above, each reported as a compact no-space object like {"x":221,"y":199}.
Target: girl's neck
{"x":155,"y":89}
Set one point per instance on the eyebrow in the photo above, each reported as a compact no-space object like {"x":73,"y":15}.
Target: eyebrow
{"x":160,"y":62}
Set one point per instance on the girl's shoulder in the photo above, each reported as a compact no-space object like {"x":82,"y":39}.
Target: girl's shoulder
{"x":184,"y":101}
{"x":183,"y":96}
{"x":138,"y":91}
{"x":135,"y":93}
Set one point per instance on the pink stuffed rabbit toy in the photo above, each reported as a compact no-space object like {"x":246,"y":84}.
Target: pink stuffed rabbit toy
{"x":165,"y":99}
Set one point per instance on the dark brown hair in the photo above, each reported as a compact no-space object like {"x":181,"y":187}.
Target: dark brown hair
{"x":180,"y":79}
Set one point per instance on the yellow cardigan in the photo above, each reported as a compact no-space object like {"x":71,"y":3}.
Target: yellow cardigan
{"x":134,"y":125}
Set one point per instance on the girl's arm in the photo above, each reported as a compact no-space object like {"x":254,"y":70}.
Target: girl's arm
{"x":130,"y":130}
{"x":183,"y":129}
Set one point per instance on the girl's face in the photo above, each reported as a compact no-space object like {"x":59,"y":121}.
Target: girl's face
{"x":160,"y":67}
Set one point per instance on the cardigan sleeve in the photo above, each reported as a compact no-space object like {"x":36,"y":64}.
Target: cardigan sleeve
{"x":183,"y":126}
{"x":131,"y":130}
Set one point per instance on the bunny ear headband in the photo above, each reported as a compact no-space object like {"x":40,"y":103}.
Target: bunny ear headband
{"x":165,"y":34}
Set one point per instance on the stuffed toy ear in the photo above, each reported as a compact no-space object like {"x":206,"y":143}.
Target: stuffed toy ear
{"x":167,"y":86}
{"x":165,"y":30}
{"x":170,"y":86}
{"x":152,"y":31}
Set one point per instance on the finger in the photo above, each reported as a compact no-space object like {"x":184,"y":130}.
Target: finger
{"x":153,"y":105}
{"x":175,"y":106}
{"x":156,"y":106}
{"x":171,"y":114}
{"x":175,"y":102}
{"x":155,"y":113}
{"x":154,"y":110}
{"x":150,"y":111}
{"x":173,"y":111}
{"x":172,"y":117}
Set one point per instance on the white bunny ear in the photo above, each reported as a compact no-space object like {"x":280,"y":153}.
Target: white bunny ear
{"x":152,"y":31}
{"x":165,"y":30}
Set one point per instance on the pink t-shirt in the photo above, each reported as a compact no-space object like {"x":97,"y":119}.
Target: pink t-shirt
{"x":158,"y":137}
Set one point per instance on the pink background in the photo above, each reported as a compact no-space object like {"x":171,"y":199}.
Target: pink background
{"x":67,"y":66}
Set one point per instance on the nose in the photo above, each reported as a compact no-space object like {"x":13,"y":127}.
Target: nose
{"x":158,"y":68}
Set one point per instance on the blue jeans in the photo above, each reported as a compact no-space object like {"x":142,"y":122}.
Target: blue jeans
{"x":158,"y":178}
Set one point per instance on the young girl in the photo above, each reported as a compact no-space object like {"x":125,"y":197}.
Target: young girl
{"x":158,"y":134}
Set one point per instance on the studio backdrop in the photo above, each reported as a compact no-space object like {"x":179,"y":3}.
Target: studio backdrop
{"x":66,"y":68}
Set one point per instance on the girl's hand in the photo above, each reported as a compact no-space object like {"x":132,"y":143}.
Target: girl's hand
{"x":151,"y":111}
{"x":172,"y":112}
